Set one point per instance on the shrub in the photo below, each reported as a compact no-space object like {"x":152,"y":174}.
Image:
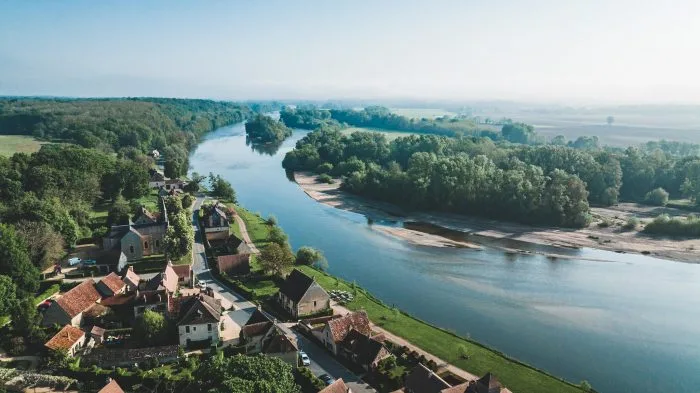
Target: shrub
{"x":632,"y":223}
{"x":676,"y":226}
{"x":326,"y":167}
{"x":325,"y":178}
{"x":271,"y":220}
{"x":16,"y":346}
{"x":657,"y":197}
{"x":604,"y":224}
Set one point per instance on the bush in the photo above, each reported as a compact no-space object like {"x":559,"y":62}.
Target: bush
{"x":325,"y":178}
{"x":271,"y":220}
{"x":604,"y":224}
{"x":632,"y":223}
{"x":326,"y":167}
{"x":308,"y":381}
{"x":657,"y":197}
{"x":676,"y":226}
{"x":16,"y":346}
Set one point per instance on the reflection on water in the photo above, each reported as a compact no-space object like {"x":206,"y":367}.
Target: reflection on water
{"x":269,"y":148}
{"x":626,"y":323}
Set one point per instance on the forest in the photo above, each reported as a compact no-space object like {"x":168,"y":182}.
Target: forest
{"x":264,"y":129}
{"x":543,"y":184}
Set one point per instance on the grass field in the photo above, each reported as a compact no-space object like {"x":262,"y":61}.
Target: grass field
{"x":258,"y":229}
{"x":390,"y":135}
{"x":11,"y":144}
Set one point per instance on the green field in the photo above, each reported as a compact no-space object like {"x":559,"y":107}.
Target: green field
{"x":258,"y":229}
{"x":420,"y":113}
{"x":11,"y":144}
{"x":390,"y":135}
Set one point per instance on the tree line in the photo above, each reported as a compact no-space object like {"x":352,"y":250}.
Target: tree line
{"x":264,"y":129}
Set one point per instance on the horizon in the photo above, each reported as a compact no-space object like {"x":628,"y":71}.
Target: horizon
{"x":536,"y":52}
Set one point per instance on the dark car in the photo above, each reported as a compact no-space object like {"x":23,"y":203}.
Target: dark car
{"x":327,"y":379}
{"x":45,"y":304}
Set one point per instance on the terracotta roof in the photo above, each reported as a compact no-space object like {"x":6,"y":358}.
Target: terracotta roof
{"x":117,"y":300}
{"x":296,"y":285}
{"x":340,"y":327}
{"x":65,"y":338}
{"x":336,"y":387}
{"x":182,"y":271}
{"x":422,"y":380}
{"x":111,"y":387}
{"x":113,"y":282}
{"x":132,"y":276}
{"x":170,"y":278}
{"x":200,"y":309}
{"x":79,"y":298}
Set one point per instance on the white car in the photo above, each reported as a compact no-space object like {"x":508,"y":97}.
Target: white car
{"x":304,"y":358}
{"x":74,"y":261}
{"x":202,"y":284}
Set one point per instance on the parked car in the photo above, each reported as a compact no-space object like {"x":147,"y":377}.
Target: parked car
{"x":202,"y":284}
{"x":89,"y":262}
{"x":327,"y":379}
{"x":74,"y":261}
{"x":45,"y":304}
{"x":304,"y":358}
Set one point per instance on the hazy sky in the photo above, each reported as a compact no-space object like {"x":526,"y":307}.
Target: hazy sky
{"x":534,"y":50}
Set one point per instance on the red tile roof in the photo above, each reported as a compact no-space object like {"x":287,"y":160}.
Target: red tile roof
{"x":111,"y":387}
{"x":340,"y":327}
{"x":113,"y":282}
{"x":65,"y":338}
{"x":182,"y":271}
{"x":170,"y":278}
{"x":79,"y":298}
{"x":336,"y":387}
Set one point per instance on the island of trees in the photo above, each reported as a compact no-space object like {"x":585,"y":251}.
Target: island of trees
{"x":264,"y":129}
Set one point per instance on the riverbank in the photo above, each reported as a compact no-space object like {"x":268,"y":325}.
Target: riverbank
{"x":612,"y":237}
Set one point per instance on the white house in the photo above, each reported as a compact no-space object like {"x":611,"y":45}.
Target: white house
{"x":69,"y":339}
{"x":200,"y":320}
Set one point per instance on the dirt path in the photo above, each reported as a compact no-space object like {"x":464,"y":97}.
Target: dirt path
{"x":401,"y":341}
{"x":506,"y":235}
{"x":244,"y":234}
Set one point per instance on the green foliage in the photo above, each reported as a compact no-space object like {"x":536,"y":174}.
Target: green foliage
{"x":173,"y":205}
{"x":264,"y":129}
{"x":15,"y":262}
{"x":305,"y":118}
{"x":119,"y":213}
{"x":275,"y":259}
{"x":308,"y":381}
{"x":245,"y":374}
{"x":187,"y":201}
{"x":278,"y":236}
{"x":585,"y":386}
{"x":179,"y":236}
{"x":656,"y":197}
{"x":326,"y":167}
{"x":632,"y":223}
{"x":151,"y":329}
{"x":271,"y":220}
{"x":311,"y":257}
{"x":221,"y":188}
{"x":8,"y":295}
{"x":45,"y":245}
{"x":325,"y":178}
{"x":519,"y":133}
{"x":676,"y":226}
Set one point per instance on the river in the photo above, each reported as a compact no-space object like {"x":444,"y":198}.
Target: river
{"x":631,"y":324}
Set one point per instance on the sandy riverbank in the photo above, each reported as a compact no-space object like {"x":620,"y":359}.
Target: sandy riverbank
{"x":612,"y":238}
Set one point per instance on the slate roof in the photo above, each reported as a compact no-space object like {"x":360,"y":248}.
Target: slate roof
{"x":296,"y":285}
{"x":338,"y":386}
{"x":200,"y":309}
{"x":65,"y":338}
{"x":110,"y":257}
{"x":155,"y":283}
{"x":367,"y":349}
{"x":79,"y":298}
{"x":113,"y":282}
{"x":422,"y":379}
{"x":486,"y":384}
{"x":340,"y":327}
{"x":111,"y":387}
{"x":281,"y":343}
{"x":257,"y":317}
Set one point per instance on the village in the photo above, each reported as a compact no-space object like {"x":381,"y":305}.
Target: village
{"x":103,"y":320}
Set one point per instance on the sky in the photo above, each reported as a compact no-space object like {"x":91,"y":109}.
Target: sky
{"x":548,"y":51}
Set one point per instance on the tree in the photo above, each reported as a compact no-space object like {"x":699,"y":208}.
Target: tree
{"x":278,"y":236}
{"x":151,"y":328}
{"x":119,"y":213}
{"x":264,"y":129}
{"x":245,"y":374}
{"x":221,"y":188}
{"x":179,"y":236}
{"x":45,"y":245}
{"x":15,"y":262}
{"x":275,"y":259}
{"x":311,"y":257}
{"x":657,"y":197}
{"x":195,"y":183}
{"x":8,"y":295}
{"x":610,"y":120}
{"x":187,"y":201}
{"x":173,"y":204}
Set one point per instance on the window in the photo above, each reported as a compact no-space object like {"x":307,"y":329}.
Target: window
{"x":194,"y":328}
{"x":209,"y":327}
{"x":131,"y":248}
{"x":145,"y":245}
{"x":157,"y":243}
{"x":314,"y":303}
{"x":187,"y":329}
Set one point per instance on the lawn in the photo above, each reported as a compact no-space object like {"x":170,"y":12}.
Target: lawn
{"x":258,"y":229}
{"x":150,"y":201}
{"x":515,"y":375}
{"x":11,"y":144}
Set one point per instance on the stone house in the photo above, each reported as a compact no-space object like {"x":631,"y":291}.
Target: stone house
{"x":183,"y":273}
{"x":263,"y":335}
{"x":300,"y":295}
{"x":364,"y":350}
{"x":214,"y":219}
{"x":69,"y":308}
{"x":336,"y":330}
{"x":146,"y":217}
{"x":423,"y":380}
{"x":131,"y":279}
{"x":69,"y":339}
{"x":174,"y":184}
{"x":111,"y":285}
{"x":199,"y":320}
{"x":140,"y":239}
{"x":156,"y":179}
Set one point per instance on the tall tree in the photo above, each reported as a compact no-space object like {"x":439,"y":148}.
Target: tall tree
{"x":45,"y":245}
{"x":15,"y":262}
{"x":275,"y":259}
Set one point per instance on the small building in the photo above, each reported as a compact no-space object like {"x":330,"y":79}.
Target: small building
{"x":146,"y":217}
{"x":300,"y":295}
{"x":174,"y":184}
{"x":364,"y":350}
{"x":263,"y":335}
{"x":154,"y":301}
{"x":215,"y":219}
{"x":98,"y":334}
{"x":111,"y":285}
{"x":486,"y":384}
{"x":183,"y":272}
{"x":68,"y":309}
{"x":69,"y":339}
{"x":422,"y":380}
{"x":112,"y":386}
{"x":131,"y":279}
{"x":127,"y":357}
{"x":336,"y":330}
{"x":338,"y":386}
{"x":234,"y":264}
{"x":156,"y":179}
{"x":113,"y":260}
{"x":199,"y":320}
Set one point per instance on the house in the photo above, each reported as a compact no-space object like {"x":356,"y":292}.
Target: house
{"x":336,"y":330}
{"x":146,"y":217}
{"x":422,"y":380}
{"x":183,"y":272}
{"x":199,"y":320}
{"x":168,"y":280}
{"x":69,"y":339}
{"x":174,"y":184}
{"x":156,"y":179}
{"x":214,"y":219}
{"x":131,"y":279}
{"x":140,"y":239}
{"x":69,"y":308}
{"x":97,"y":334}
{"x":110,"y":285}
{"x":113,"y":260}
{"x":300,"y":295}
{"x":226,"y":244}
{"x":282,"y":345}
{"x":263,"y":335}
{"x":338,"y":386}
{"x":112,"y":386}
{"x":364,"y":350}
{"x":154,"y":301}
{"x":234,"y":264}
{"x":486,"y":384}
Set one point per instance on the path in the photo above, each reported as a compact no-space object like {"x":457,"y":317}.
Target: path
{"x":245,"y":236}
{"x":401,"y":341}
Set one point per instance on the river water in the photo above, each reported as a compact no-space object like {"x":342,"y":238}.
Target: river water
{"x":631,"y":324}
